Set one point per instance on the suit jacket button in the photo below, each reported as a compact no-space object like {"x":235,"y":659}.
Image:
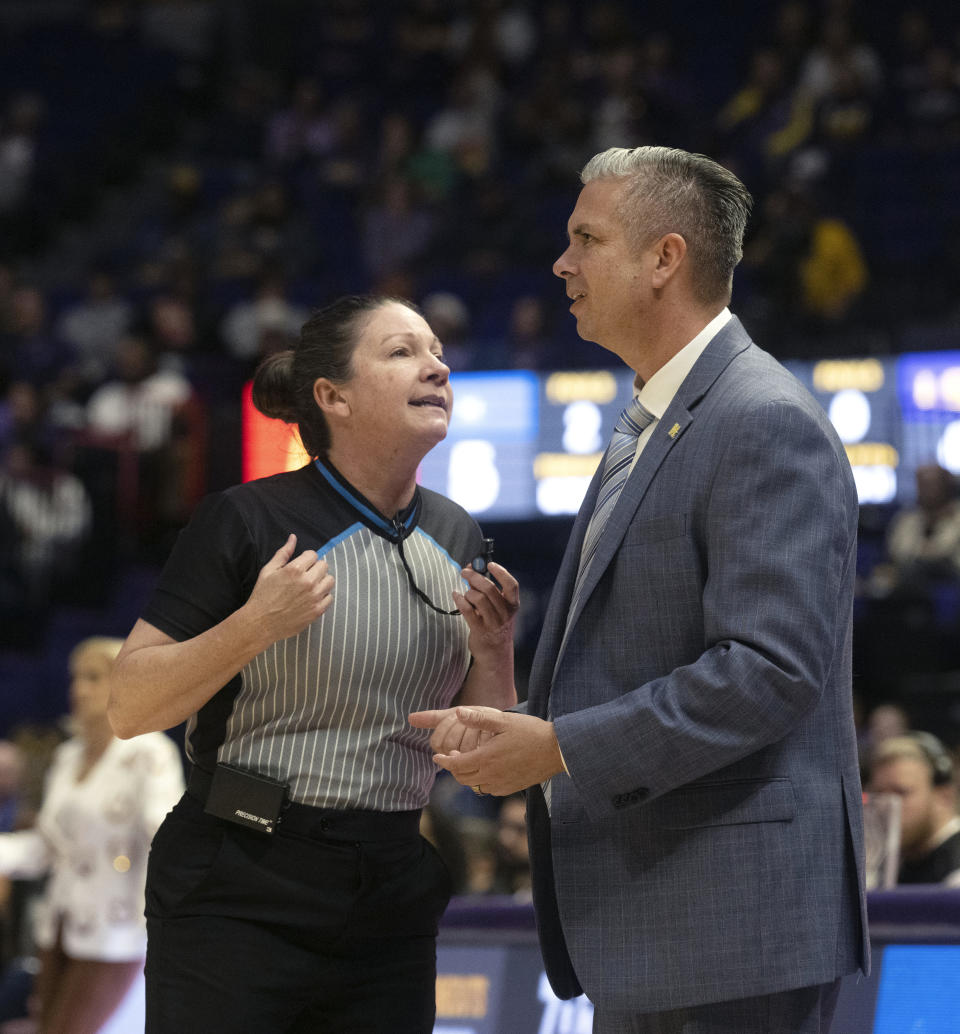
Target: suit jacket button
{"x":621,"y":800}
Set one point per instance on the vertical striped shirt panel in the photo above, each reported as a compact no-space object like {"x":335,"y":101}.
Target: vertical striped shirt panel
{"x":326,"y":710}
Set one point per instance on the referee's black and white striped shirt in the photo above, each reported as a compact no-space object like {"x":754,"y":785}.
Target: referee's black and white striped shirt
{"x":326,"y":710}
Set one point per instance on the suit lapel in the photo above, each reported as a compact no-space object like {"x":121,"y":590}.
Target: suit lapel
{"x":730,"y":341}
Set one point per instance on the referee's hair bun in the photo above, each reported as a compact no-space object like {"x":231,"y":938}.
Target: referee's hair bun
{"x":273,"y":391}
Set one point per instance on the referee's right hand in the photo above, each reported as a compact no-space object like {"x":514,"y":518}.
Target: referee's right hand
{"x":291,"y":592}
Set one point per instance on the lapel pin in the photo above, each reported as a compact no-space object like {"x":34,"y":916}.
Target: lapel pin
{"x":674,"y":431}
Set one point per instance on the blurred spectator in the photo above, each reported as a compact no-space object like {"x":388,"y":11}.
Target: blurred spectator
{"x":605,"y":26}
{"x":396,"y":230}
{"x":792,"y":34}
{"x":172,"y":329}
{"x":186,"y":27}
{"x":765,"y":120}
{"x":140,"y":399}
{"x":395,"y":144}
{"x":419,"y":48}
{"x":346,"y":33}
{"x":479,"y":837}
{"x":104,"y":799}
{"x":18,"y":131}
{"x":154,"y":415}
{"x":93,"y":326}
{"x":258,"y":228}
{"x":465,"y":127}
{"x":885,"y":722}
{"x":35,"y":745}
{"x":833,"y":274}
{"x":432,"y":173}
{"x":511,"y":874}
{"x":248,"y":93}
{"x":172,"y":226}
{"x":45,"y":518}
{"x":29,"y":348}
{"x":284,"y":168}
{"x":11,"y":780}
{"x":19,"y":126}
{"x":622,"y":111}
{"x":495,"y":230}
{"x":269,"y":310}
{"x":275,"y":232}
{"x":910,"y":600}
{"x":449,"y":319}
{"x":302,"y":131}
{"x":23,"y":416}
{"x":919,"y":769}
{"x":8,"y":283}
{"x":442,"y":830}
{"x":673,"y":99}
{"x":931,"y":106}
{"x":551,"y":133}
{"x":838,"y":53}
{"x":502,"y":28}
{"x":911,"y":48}
{"x":802,"y":265}
{"x":923,"y":541}
{"x":845,"y":116}
{"x":529,"y":345}
{"x":11,"y":775}
{"x":346,"y":170}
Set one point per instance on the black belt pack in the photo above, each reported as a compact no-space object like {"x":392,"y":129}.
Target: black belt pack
{"x":250,"y":800}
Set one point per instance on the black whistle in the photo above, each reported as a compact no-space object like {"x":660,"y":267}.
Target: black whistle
{"x":479,"y":563}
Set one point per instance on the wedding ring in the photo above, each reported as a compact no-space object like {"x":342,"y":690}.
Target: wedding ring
{"x":476,"y":789}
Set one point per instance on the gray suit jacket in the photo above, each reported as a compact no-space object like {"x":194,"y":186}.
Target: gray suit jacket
{"x":708,"y":843}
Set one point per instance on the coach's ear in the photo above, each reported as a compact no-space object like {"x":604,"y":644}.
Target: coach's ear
{"x":670,"y":253}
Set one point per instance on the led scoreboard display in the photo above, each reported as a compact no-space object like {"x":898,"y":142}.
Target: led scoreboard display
{"x":485,"y":461}
{"x":522,"y":444}
{"x":928,"y":388}
{"x":860,"y":397}
{"x":578,"y":411}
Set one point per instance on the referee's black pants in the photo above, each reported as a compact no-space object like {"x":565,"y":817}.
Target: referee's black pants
{"x":328,"y":931}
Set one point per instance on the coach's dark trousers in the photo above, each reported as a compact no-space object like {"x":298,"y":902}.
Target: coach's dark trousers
{"x":327,"y":925}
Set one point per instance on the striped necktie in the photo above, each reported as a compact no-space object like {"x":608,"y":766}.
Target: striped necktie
{"x":616,"y":467}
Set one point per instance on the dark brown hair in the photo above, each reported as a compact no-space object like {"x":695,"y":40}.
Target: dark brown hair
{"x":283,"y":383}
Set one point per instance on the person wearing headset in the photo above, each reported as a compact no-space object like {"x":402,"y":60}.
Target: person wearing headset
{"x":918,"y":768}
{"x":290,"y":889}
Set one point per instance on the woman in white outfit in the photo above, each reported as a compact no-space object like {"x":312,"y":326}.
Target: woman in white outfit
{"x":103,"y":800}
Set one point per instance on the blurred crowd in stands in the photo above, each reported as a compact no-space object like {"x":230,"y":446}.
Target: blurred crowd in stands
{"x":182,"y":181}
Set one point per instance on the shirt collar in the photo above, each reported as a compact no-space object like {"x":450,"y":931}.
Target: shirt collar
{"x":659,"y":391}
{"x":399,"y":526}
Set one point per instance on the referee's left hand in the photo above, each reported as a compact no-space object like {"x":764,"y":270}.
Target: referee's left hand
{"x":489,"y":611}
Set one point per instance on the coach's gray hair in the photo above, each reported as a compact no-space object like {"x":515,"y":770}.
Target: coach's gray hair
{"x":674,"y":191}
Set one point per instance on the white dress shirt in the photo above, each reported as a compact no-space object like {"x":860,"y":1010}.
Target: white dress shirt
{"x":658,"y":392}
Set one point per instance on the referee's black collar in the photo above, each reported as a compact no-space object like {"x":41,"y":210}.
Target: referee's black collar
{"x":399,"y":527}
